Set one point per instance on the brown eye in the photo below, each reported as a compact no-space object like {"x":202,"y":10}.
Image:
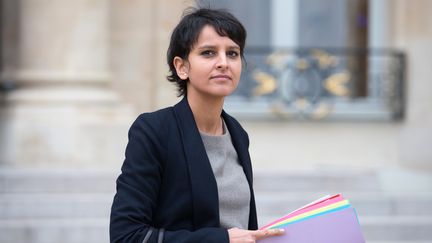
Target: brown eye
{"x":208,"y":53}
{"x":233,"y":54}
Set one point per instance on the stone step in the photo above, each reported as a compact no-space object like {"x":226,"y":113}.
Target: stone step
{"x":387,"y":180}
{"x":325,"y":180}
{"x":396,"y":228}
{"x":63,"y":205}
{"x":56,"y":181}
{"x":281,"y":203}
{"x":95,"y":230}
{"x":75,"y":230}
{"x":33,"y":181}
{"x":59,"y":205}
{"x":72,"y":206}
{"x":298,"y":181}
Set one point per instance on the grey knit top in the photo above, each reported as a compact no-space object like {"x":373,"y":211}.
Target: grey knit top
{"x":233,"y":187}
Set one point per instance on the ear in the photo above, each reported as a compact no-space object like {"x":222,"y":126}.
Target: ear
{"x":182,"y":67}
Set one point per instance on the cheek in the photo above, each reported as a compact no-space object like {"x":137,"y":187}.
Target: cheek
{"x":238,"y":69}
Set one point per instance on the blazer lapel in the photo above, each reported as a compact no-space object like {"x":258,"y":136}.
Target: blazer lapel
{"x":241,"y":146}
{"x":203,"y":183}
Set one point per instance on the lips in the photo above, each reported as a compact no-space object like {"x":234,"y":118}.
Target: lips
{"x":221,"y":76}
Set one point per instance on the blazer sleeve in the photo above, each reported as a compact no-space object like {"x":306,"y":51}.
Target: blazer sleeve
{"x":137,"y":192}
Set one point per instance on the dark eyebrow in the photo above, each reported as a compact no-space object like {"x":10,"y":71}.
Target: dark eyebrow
{"x":234,"y":47}
{"x":214,"y":47}
{"x":206,"y":47}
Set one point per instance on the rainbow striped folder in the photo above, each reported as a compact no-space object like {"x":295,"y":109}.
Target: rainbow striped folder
{"x":330,"y":219}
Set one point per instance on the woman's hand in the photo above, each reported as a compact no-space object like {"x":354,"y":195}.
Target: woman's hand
{"x":237,"y":235}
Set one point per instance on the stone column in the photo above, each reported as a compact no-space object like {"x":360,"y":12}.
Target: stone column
{"x":61,"y":110}
{"x":412,"y":32}
{"x":140,"y":36}
{"x":166,"y":16}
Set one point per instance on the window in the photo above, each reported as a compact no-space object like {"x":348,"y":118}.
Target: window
{"x":313,"y":59}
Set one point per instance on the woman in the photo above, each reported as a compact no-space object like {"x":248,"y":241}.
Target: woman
{"x":187,"y":174}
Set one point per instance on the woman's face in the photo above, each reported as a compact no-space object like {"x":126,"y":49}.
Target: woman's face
{"x":213,"y":66}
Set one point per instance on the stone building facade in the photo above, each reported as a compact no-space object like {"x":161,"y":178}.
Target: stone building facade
{"x":79,"y":71}
{"x":75,"y":74}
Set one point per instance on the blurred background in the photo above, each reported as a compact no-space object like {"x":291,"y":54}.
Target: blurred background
{"x":336,"y":98}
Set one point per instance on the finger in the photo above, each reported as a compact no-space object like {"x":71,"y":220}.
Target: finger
{"x":260,"y":234}
{"x":231,"y":229}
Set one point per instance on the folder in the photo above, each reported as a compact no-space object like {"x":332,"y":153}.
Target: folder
{"x":329,"y":219}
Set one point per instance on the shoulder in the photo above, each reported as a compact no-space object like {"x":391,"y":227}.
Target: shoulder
{"x":156,"y":116}
{"x":154,"y":122}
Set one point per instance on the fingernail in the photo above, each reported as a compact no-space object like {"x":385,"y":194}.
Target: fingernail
{"x":281,"y":230}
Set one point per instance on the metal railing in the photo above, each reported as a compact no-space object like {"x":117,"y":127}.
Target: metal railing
{"x":321,"y":84}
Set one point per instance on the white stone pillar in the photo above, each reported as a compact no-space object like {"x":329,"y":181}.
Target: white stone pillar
{"x":63,"y":41}
{"x":412,"y":32}
{"x":62,"y":111}
{"x":285,"y":24}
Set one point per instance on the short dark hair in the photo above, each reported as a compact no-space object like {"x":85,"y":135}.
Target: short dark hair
{"x":186,"y":34}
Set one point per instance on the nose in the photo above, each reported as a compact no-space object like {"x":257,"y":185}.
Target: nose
{"x":222,"y":61}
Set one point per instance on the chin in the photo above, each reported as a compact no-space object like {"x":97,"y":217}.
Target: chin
{"x":224,"y":93}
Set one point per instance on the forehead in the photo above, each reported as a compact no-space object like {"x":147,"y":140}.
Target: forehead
{"x":209,"y":37}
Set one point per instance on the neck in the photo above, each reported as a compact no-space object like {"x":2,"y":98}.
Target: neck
{"x":207,"y":114}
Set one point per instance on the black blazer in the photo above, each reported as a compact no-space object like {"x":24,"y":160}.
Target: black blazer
{"x":167,"y":183}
